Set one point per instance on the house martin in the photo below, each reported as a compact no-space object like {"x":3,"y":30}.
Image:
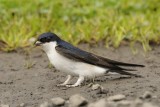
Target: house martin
{"x":76,"y":62}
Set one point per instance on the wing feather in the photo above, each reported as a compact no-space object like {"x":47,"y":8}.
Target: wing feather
{"x":83,"y":56}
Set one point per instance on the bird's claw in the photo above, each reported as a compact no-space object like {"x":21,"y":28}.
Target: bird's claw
{"x":69,"y":86}
{"x":65,"y":85}
{"x":61,"y":85}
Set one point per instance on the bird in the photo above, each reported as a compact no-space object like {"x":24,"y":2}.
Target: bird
{"x":76,"y":62}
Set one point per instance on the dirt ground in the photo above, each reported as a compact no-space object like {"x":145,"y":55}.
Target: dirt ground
{"x":27,"y":78}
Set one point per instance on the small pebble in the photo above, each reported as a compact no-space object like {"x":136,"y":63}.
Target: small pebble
{"x":138,"y":101}
{"x":77,"y":100}
{"x":99,"y":89}
{"x":4,"y":105}
{"x":148,"y":105}
{"x":22,"y":105}
{"x":96,"y":86}
{"x":111,"y":104}
{"x":100,"y":103}
{"x":46,"y":104}
{"x":125,"y":103}
{"x":58,"y":101}
{"x":146,"y":95}
{"x":118,"y":97}
{"x":90,"y":85}
{"x":102,"y":91}
{"x":155,"y":97}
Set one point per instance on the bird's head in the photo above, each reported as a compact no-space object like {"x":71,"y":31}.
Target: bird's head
{"x":48,"y":41}
{"x":46,"y":38}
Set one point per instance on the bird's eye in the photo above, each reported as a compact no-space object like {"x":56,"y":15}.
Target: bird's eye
{"x":43,"y":40}
{"x":46,"y":39}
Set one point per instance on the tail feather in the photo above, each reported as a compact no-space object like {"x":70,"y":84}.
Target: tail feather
{"x":125,"y":73}
{"x":130,"y":65}
{"x":122,"y":63}
{"x":122,"y":69}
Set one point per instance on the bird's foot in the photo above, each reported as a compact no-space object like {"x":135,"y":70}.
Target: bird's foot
{"x":78,"y":83}
{"x":69,"y":86}
{"x":69,"y":77}
{"x":61,"y":85}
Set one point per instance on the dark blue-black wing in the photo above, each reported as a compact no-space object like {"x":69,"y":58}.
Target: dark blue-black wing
{"x":77,"y":54}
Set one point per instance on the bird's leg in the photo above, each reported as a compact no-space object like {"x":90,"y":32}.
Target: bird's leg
{"x":78,"y":83}
{"x":69,"y":77}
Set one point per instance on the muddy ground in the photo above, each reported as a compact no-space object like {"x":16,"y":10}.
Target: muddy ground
{"x":27,"y":78}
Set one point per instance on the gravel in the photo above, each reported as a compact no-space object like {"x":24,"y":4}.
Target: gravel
{"x":118,"y":100}
{"x":96,"y":86}
{"x":118,"y":97}
{"x":100,"y":103}
{"x":3,"y":105}
{"x":46,"y":104}
{"x":149,"y":105}
{"x":146,"y":95}
{"x":22,"y":105}
{"x":58,"y":101}
{"x":77,"y":100}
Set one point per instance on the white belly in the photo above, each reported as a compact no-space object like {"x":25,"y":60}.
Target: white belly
{"x":76,"y":68}
{"x":73,"y":67}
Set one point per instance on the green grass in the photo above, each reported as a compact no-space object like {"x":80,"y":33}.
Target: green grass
{"x":79,"y":21}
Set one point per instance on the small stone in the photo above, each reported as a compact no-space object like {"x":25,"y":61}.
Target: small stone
{"x":111,"y":104}
{"x":146,"y":95}
{"x":46,"y":104}
{"x":149,"y":105}
{"x":77,"y":100}
{"x":58,"y":101}
{"x":96,"y":86}
{"x":118,"y":97}
{"x":4,"y":105}
{"x":137,"y":103}
{"x":102,"y":91}
{"x":125,"y":103}
{"x":90,"y":85}
{"x":22,"y":105}
{"x":100,"y":103}
{"x":155,"y":97}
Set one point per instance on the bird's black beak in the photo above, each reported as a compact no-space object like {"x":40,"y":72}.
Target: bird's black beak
{"x":37,"y":43}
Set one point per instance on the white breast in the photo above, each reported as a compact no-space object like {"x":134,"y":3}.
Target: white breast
{"x":69,"y":66}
